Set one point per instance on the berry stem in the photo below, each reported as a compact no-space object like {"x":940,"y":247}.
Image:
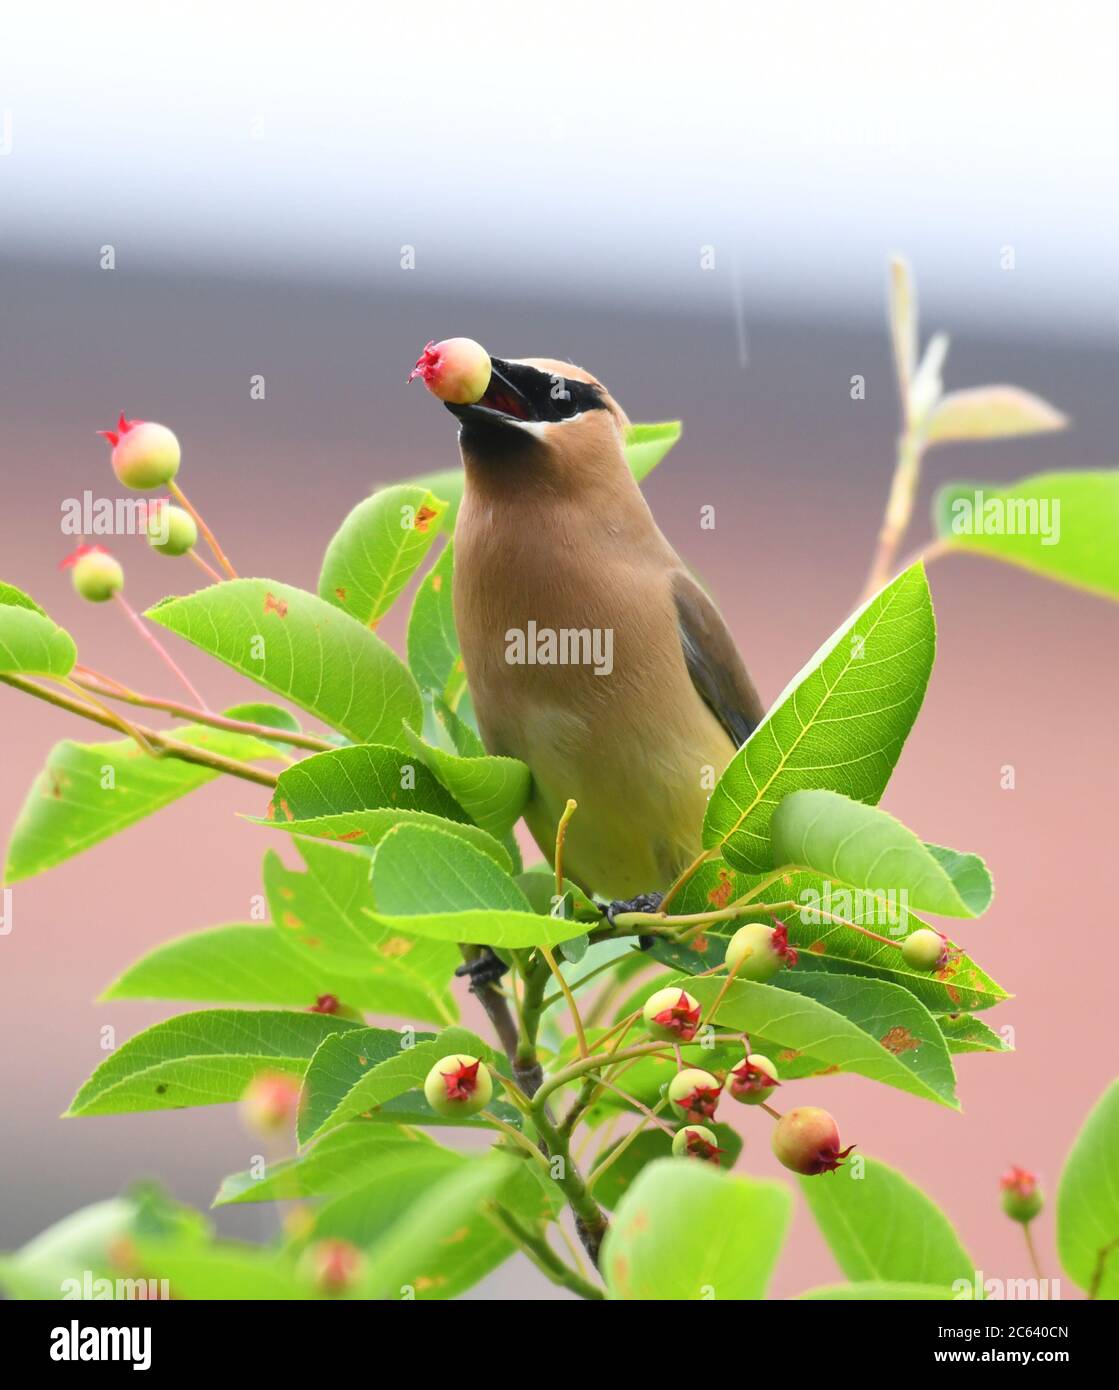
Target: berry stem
{"x":515,"y":1135}
{"x":537,"y":1249}
{"x":92,"y":682}
{"x":637,"y":1105}
{"x":577,"y":1022}
{"x":1027,"y":1231}
{"x":204,"y":565}
{"x":624,"y":1145}
{"x":162,"y":743}
{"x":150,"y":637}
{"x":211,"y":539}
{"x":685,"y":877}
{"x":118,"y":721}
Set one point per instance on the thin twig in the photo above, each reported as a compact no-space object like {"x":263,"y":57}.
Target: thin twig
{"x":211,"y":539}
{"x":153,"y":641}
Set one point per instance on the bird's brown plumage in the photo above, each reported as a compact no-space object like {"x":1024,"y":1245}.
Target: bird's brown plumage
{"x":553,"y":531}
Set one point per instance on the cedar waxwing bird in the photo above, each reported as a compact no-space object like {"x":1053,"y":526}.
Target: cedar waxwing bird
{"x":590,"y":651}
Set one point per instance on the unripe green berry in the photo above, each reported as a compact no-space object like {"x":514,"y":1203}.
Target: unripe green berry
{"x":694,"y":1094}
{"x":1021,"y":1195}
{"x":672,"y":1015}
{"x":96,"y":576}
{"x":145,"y":454}
{"x":753,"y":1080}
{"x":271,"y":1102}
{"x":457,"y":370}
{"x":696,"y":1141}
{"x":171,"y":530}
{"x":332,"y":1266}
{"x":757,"y":952}
{"x":924,"y":949}
{"x":458,"y":1086}
{"x":807,"y":1141}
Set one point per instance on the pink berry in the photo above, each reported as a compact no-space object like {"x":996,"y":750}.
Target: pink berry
{"x":97,"y":576}
{"x":807,"y":1141}
{"x":457,"y":370}
{"x":270,"y":1102}
{"x":1021,"y":1195}
{"x":145,"y":455}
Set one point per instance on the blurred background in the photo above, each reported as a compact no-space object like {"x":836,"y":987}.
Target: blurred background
{"x":697,"y":205}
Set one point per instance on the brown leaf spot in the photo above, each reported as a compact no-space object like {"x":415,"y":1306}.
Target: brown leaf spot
{"x":351,"y":835}
{"x":272,"y":604}
{"x":424,"y":517}
{"x":289,"y":919}
{"x":457,"y":1237}
{"x":818,"y":947}
{"x":899,"y":1040}
{"x":720,"y":894}
{"x":340,"y":592}
{"x":828,"y":1071}
{"x":396,"y":946}
{"x":790,"y":1054}
{"x":436,"y":583}
{"x":700,"y":944}
{"x":424,"y":1282}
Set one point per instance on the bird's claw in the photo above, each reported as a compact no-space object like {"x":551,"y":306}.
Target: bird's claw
{"x":644,"y":902}
{"x":484,"y":970}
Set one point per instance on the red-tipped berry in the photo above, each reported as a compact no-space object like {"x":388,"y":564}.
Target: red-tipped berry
{"x":694,"y":1094}
{"x":96,"y":575}
{"x":807,"y":1141}
{"x":332,"y":1266}
{"x":271,"y":1102}
{"x":753,"y":1080}
{"x":457,"y":370}
{"x":145,"y":455}
{"x":1021,"y":1195}
{"x":757,"y":952}
{"x":170,"y":529}
{"x":458,"y":1086}
{"x":924,"y":949}
{"x":696,"y":1141}
{"x":672,"y":1015}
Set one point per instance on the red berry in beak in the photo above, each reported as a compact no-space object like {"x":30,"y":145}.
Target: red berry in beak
{"x":672,"y":1015}
{"x":807,"y":1141}
{"x":753,"y":1080}
{"x":456,"y":370}
{"x":694,"y":1094}
{"x":1021,"y":1196}
{"x":458,"y":1086}
{"x":696,"y":1141}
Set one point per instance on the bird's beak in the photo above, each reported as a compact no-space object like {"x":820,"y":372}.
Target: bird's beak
{"x":518,"y":397}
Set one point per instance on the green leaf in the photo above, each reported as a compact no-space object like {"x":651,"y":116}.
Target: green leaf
{"x":438,"y":886}
{"x":1063,"y":526}
{"x":433,"y":649}
{"x":90,"y":791}
{"x":255,"y":964}
{"x":840,"y":725}
{"x":839,"y":1023}
{"x":825,"y":943}
{"x":1088,"y":1202}
{"x":225,"y":1270}
{"x":304,"y":649}
{"x":322,"y":916}
{"x":447,"y":483}
{"x":493,"y":791}
{"x":963,"y":1033}
{"x":867,"y":848}
{"x":880,"y":1227}
{"x":368,"y":828}
{"x":687,"y":1232}
{"x":31,"y":644}
{"x":882,"y":1293}
{"x":447,"y":1223}
{"x":646,"y":445}
{"x":362,"y":1070}
{"x":202,"y":1059}
{"x":347,"y":1157}
{"x":87,"y":1244}
{"x":650,"y":1145}
{"x":378,"y":548}
{"x":366,"y":777}
{"x":990,"y":412}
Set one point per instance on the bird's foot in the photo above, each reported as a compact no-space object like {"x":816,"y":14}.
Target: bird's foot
{"x":644,"y":902}
{"x":484,"y":970}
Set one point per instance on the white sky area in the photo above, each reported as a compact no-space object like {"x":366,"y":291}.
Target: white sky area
{"x":580,"y":149}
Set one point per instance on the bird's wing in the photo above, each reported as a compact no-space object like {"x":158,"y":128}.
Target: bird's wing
{"x":713,"y":662}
